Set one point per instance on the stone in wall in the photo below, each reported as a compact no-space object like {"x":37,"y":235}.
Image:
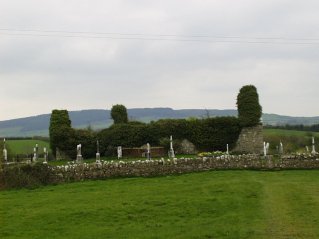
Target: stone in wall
{"x":250,"y":140}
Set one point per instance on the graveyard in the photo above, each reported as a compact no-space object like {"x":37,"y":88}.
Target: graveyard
{"x":224,"y":177}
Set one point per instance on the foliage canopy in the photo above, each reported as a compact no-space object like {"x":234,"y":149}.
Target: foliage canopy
{"x":60,"y":131}
{"x":249,"y":109}
{"x":119,"y":114}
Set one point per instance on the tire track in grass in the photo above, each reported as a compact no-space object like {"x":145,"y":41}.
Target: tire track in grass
{"x":290,"y":210}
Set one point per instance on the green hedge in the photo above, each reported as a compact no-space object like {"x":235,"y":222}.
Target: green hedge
{"x":87,"y":138}
{"x":207,"y":134}
{"x":24,"y":176}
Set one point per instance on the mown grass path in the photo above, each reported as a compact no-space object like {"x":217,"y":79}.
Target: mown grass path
{"x":216,"y":204}
{"x":291,"y":205}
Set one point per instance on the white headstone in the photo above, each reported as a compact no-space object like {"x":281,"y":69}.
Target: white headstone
{"x":119,"y":152}
{"x":97,"y":155}
{"x":79,"y":153}
{"x":5,"y":152}
{"x":313,"y":146}
{"x":5,"y":155}
{"x":171,"y":149}
{"x":78,"y":149}
{"x":281,"y":148}
{"x":34,"y":159}
{"x":45,"y":155}
{"x":265,"y":149}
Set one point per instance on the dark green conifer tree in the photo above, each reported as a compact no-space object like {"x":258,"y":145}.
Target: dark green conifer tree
{"x":249,"y":109}
{"x":119,"y":114}
{"x":61,"y":132}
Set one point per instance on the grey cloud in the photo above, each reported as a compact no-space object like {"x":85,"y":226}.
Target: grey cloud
{"x":39,"y":73}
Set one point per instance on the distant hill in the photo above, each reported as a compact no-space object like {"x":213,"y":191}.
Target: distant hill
{"x":99,"y":119}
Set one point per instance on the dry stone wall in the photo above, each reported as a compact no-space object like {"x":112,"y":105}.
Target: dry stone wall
{"x":149,"y":168}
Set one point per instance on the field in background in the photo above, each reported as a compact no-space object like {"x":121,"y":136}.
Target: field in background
{"x":215,"y":204}
{"x":293,"y":140}
{"x":25,"y":146}
{"x":284,"y":132}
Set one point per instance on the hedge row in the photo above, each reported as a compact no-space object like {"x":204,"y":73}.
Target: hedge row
{"x":25,"y":176}
{"x":206,"y":134}
{"x":209,"y":134}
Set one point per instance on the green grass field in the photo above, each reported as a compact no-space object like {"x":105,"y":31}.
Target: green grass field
{"x":25,"y":146}
{"x":293,"y":140}
{"x":215,"y":204}
{"x":284,"y":132}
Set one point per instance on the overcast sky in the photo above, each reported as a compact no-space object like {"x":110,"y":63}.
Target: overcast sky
{"x":92,"y":54}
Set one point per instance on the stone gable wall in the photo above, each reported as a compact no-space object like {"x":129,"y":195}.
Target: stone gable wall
{"x":250,"y":140}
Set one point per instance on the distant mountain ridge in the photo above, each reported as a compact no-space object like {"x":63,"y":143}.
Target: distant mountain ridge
{"x":98,"y":119}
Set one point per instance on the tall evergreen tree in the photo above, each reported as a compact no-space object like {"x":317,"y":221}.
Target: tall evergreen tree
{"x":119,"y":114}
{"x":249,"y":109}
{"x":61,"y":132}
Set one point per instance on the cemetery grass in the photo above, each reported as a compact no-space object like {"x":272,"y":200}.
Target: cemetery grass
{"x":215,"y":204}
